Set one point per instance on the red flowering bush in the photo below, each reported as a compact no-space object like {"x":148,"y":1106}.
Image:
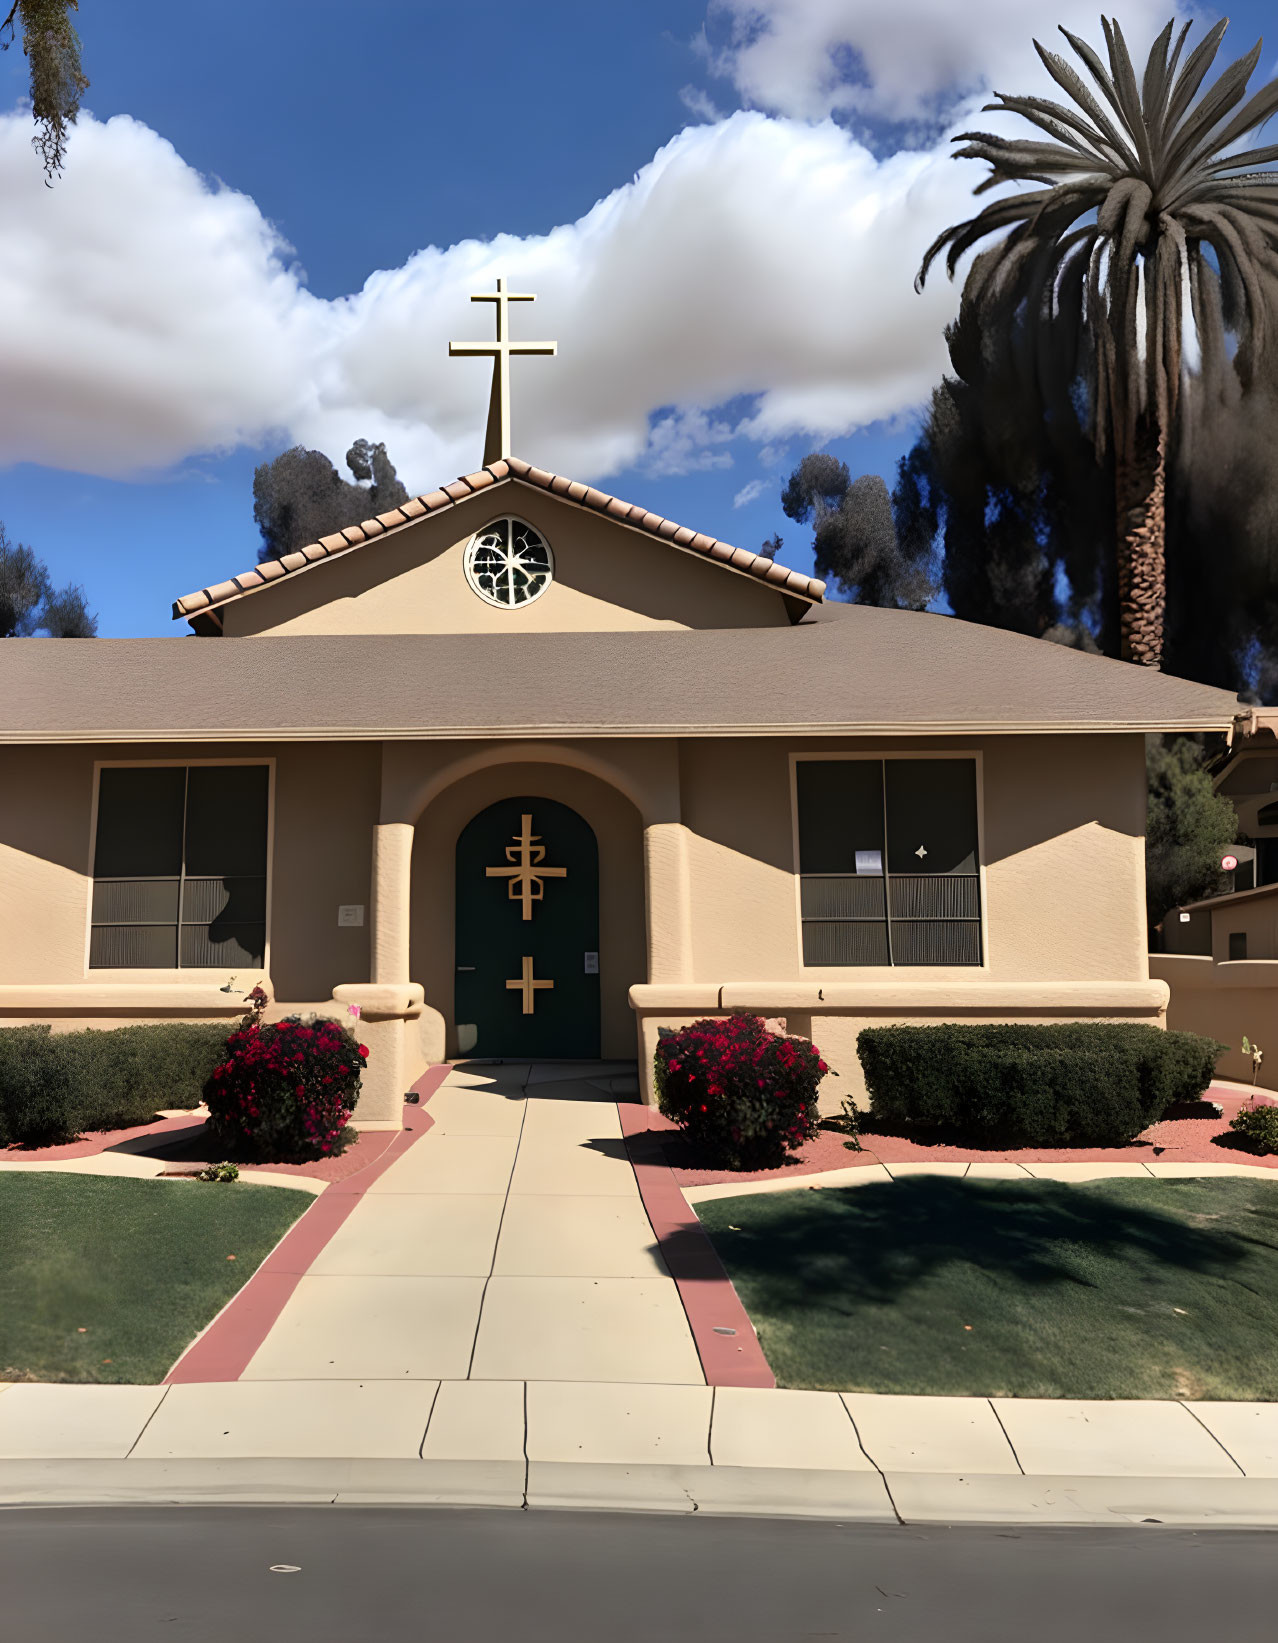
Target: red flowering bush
{"x":287,"y":1089}
{"x":744,"y":1095}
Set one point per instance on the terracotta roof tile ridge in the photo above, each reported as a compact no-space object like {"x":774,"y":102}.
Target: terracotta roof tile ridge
{"x":505,"y":469}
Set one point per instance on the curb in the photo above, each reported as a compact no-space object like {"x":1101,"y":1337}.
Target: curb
{"x":909,"y":1499}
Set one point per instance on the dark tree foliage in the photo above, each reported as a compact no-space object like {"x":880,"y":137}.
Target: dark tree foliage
{"x":30,"y":604}
{"x":1005,"y":480}
{"x":300,"y":496}
{"x":1188,"y":828}
{"x":58,"y":82}
{"x":857,"y":545}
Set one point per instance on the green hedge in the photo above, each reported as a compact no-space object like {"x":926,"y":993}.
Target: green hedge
{"x":54,"y":1086}
{"x":1068,"y":1085}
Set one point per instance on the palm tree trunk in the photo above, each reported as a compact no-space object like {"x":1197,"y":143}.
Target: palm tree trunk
{"x":1141,"y":481}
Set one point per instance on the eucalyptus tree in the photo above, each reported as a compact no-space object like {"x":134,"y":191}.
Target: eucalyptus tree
{"x":1148,"y":252}
{"x":57,"y":79}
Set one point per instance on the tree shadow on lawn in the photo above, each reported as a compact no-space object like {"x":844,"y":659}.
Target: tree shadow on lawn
{"x":843,"y":1247}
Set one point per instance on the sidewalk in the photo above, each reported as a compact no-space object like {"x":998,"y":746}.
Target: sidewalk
{"x":648,"y":1447}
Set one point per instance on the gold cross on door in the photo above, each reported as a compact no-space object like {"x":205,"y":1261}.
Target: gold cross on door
{"x":528,"y":986}
{"x":526,"y":875}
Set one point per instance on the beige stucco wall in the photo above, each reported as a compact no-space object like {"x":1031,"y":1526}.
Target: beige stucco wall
{"x":1063,"y":865}
{"x":699,"y":911}
{"x":607,"y":576}
{"x":1257,"y":920}
{"x":1225,"y":1001}
{"x":1063,"y":851}
{"x":325,"y":800}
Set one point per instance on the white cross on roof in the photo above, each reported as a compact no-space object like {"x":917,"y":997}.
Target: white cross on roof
{"x":497,"y":438}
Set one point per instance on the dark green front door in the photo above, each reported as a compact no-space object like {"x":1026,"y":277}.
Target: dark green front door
{"x":527,"y":933}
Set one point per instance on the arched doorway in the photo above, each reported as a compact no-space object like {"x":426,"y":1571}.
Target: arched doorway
{"x":527,"y":933}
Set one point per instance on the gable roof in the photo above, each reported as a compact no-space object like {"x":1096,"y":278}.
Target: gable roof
{"x":508,"y":470}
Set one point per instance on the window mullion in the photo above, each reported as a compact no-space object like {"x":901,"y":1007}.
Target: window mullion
{"x":887,"y":883}
{"x":181,"y":908}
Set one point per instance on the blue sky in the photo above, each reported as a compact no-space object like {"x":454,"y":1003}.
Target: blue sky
{"x":177,"y":314}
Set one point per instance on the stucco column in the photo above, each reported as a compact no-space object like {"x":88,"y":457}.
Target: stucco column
{"x":668,"y":898}
{"x":391,"y":889}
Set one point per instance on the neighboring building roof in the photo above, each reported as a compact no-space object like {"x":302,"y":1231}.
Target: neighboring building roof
{"x":1255,"y":894}
{"x":868,"y":671}
{"x":507,"y":471}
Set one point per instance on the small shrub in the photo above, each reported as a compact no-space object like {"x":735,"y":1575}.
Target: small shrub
{"x":1257,"y":1128}
{"x":1062,"y":1085}
{"x":745,"y":1095}
{"x":286,"y":1090}
{"x":225,"y":1171}
{"x":54,"y":1086}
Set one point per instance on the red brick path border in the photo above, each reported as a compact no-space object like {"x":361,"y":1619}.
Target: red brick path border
{"x":709,"y":1300}
{"x":223,"y":1351}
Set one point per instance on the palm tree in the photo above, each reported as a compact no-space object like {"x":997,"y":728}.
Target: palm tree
{"x":1150,"y":252}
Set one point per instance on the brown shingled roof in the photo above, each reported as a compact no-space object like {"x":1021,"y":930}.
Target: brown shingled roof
{"x":507,"y":470}
{"x":864,"y":671}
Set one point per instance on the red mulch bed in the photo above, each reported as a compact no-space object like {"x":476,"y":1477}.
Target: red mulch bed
{"x":1183,"y":1140}
{"x":180,"y":1142}
{"x":192,"y":1152}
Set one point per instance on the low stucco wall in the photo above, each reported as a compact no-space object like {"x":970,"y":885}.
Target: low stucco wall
{"x":1225,"y":1001}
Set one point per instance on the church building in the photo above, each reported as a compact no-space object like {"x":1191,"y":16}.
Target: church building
{"x":528,"y":772}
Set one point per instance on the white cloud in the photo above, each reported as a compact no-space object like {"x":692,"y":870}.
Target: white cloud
{"x":749,"y":493}
{"x":150,"y":315}
{"x":688,"y":441}
{"x":905,"y":61}
{"x":146,"y":315}
{"x":698,"y":101}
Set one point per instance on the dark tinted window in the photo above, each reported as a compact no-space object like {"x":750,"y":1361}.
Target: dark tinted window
{"x":931,"y":815}
{"x":139,"y":822}
{"x":226,"y":820}
{"x":840,"y":812}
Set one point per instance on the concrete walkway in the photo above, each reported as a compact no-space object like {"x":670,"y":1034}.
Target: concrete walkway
{"x":509,"y":1244}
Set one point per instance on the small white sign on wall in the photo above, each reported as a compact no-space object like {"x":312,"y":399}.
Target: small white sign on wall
{"x":869,"y":861}
{"x":347,"y":916}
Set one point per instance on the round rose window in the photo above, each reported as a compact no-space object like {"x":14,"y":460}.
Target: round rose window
{"x":508,"y":563}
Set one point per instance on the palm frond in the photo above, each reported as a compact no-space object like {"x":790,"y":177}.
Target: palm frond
{"x":1070,"y":82}
{"x":1197,"y":125}
{"x":1126,"y":91}
{"x":1194,"y":72}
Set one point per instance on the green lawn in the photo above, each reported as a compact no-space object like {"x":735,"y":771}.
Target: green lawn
{"x":138,"y":1266}
{"x":1113,"y":1289}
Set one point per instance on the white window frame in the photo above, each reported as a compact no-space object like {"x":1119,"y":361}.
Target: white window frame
{"x":101,"y":974}
{"x":468,"y":558}
{"x":843,"y":972}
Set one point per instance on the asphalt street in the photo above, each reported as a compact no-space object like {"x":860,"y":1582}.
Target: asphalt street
{"x":361,"y":1575}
